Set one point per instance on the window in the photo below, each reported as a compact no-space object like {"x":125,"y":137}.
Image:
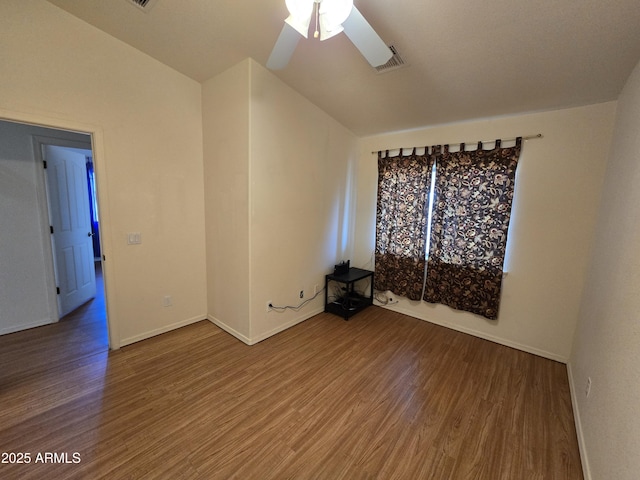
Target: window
{"x":466,"y":211}
{"x":401,"y":223}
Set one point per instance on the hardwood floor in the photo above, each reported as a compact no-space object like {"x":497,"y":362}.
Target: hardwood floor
{"x":382,"y":396}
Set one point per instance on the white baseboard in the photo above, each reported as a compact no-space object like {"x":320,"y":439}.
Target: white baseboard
{"x":576,"y":418}
{"x":229,"y":329}
{"x":289,"y":324}
{"x":270,"y":333}
{"x":25,"y":326}
{"x":159,"y":331}
{"x":486,"y":336}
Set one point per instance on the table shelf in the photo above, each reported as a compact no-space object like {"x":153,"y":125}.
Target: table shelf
{"x":350,"y":301}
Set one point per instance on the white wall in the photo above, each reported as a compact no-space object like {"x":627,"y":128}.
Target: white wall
{"x":279,"y":186}
{"x":607,"y":339}
{"x":225,"y":114}
{"x":302,"y":174}
{"x":26,"y":273}
{"x":558,"y":187}
{"x":147,"y":124}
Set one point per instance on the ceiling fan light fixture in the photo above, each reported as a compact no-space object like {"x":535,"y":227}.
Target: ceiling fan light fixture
{"x":335,"y":12}
{"x":332,"y":17}
{"x":331,"y":13}
{"x":300,"y":8}
{"x":300,"y":26}
{"x":328,"y":30}
{"x":300,"y":15}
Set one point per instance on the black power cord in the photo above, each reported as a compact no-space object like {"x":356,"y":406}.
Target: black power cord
{"x":295,"y":307}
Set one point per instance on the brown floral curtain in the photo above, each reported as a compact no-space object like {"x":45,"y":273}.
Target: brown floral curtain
{"x":401,"y":222}
{"x":472,"y":208}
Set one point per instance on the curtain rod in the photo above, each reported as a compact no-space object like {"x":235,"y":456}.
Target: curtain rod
{"x":528,"y":137}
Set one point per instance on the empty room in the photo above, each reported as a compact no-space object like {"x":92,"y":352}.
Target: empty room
{"x":322,"y":239}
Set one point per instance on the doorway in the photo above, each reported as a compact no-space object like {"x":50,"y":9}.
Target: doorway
{"x":58,"y":278}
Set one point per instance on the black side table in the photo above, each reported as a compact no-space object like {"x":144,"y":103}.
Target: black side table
{"x":349,"y":302}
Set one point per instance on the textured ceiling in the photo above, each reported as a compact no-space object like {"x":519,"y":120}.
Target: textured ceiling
{"x":466,"y":59}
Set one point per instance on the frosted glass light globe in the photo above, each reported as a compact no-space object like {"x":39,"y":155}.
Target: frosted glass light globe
{"x":332,"y":14}
{"x":300,"y":9}
{"x":335,"y":12}
{"x":300,"y":15}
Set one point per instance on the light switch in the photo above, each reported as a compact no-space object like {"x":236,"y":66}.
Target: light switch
{"x":134,"y":238}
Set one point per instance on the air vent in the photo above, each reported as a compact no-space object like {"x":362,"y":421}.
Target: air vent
{"x":394,"y":63}
{"x":144,"y":5}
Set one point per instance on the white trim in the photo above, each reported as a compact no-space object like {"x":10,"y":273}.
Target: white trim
{"x":249,"y":218}
{"x":18,"y":328}
{"x":485,"y":336}
{"x":270,"y":333}
{"x":229,"y":330}
{"x":160,"y":331}
{"x":287,"y":325}
{"x":584,"y":459}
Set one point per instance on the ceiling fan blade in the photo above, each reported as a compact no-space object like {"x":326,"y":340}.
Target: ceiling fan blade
{"x":365,"y":38}
{"x":283,"y":49}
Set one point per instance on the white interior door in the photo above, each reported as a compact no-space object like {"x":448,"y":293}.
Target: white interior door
{"x":72,"y":242}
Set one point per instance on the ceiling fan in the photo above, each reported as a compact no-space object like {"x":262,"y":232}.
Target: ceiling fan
{"x":331,"y":18}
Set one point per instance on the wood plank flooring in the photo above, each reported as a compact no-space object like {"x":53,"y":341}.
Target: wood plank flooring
{"x":382,"y":396}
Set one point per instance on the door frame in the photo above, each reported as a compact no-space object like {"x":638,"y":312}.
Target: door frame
{"x":97,"y":147}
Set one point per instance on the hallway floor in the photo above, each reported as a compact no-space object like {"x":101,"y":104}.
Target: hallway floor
{"x":81,"y":333}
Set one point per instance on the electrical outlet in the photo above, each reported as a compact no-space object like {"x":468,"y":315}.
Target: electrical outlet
{"x":301,"y":293}
{"x":587,"y":389}
{"x":316,"y":289}
{"x":167,"y":301}
{"x":269,"y":306}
